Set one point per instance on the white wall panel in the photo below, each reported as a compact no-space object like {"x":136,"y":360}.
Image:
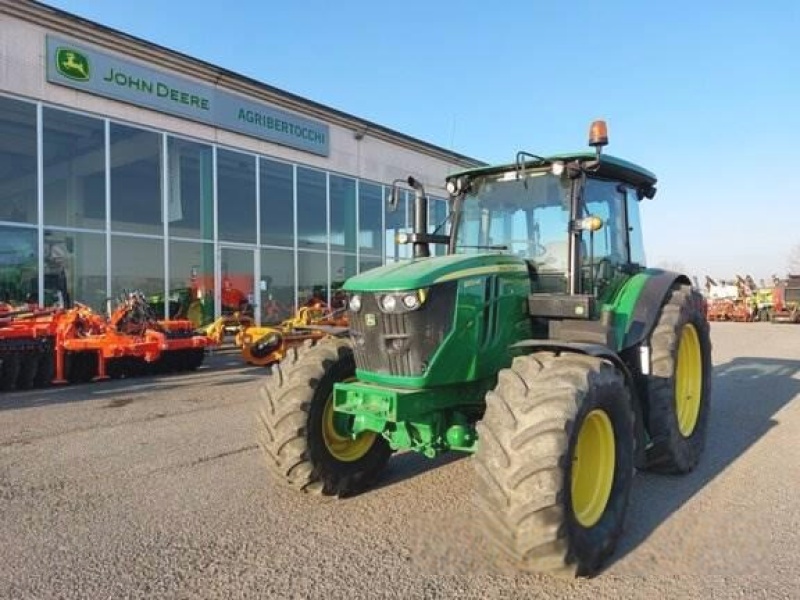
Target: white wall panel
{"x":22,"y":72}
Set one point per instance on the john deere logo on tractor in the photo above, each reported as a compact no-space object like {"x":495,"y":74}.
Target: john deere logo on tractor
{"x":71,"y":63}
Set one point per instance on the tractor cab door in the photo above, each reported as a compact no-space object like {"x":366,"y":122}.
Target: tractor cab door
{"x":609,"y":255}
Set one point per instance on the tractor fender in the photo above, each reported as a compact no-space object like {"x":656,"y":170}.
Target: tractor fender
{"x":599,"y":351}
{"x":648,"y":306}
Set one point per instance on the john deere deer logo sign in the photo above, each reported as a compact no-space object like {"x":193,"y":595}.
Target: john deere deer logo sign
{"x":71,"y":63}
{"x":92,"y":70}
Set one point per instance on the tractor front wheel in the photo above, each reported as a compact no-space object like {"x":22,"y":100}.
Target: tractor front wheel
{"x":555,"y":462}
{"x":305,"y":442}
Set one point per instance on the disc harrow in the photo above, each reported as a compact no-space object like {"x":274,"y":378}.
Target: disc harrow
{"x":58,"y":346}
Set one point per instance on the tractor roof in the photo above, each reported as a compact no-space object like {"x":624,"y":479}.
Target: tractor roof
{"x":610,"y":166}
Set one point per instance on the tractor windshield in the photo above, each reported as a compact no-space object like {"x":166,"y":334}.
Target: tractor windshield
{"x":527,"y":217}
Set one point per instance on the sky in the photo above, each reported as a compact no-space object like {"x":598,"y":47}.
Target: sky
{"x":704,"y":94}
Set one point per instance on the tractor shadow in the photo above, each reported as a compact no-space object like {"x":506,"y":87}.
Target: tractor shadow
{"x":409,"y":465}
{"x":747,"y":392}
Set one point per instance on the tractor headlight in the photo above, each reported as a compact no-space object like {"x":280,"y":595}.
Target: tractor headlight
{"x":402,"y":302}
{"x":355,"y":303}
{"x":389,"y":302}
{"x":411,"y":301}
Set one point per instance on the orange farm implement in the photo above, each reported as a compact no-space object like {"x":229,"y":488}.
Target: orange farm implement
{"x":43,"y":346}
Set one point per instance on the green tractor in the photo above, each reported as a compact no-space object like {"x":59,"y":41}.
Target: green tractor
{"x":540,"y":343}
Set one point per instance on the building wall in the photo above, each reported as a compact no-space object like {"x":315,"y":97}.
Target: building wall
{"x":23,"y":71}
{"x":98,"y":197}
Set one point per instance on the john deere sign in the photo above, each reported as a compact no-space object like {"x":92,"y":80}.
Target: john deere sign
{"x":95,"y":72}
{"x":72,"y":64}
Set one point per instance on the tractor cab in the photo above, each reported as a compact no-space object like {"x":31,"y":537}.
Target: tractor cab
{"x":573,"y":218}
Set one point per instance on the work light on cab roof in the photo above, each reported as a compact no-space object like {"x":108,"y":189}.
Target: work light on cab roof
{"x":598,"y":134}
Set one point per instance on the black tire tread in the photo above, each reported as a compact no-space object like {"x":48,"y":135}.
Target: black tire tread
{"x":282,"y":421}
{"x":522,"y":456}
{"x":670,"y":452}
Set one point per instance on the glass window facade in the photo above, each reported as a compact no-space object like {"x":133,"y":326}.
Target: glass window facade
{"x":125,"y":207}
{"x":190,"y":189}
{"x":343,"y":266}
{"x":237,"y":268}
{"x":397,"y":221}
{"x":191,"y":281}
{"x":312,"y":276}
{"x":370,"y":219}
{"x":75,"y":269}
{"x":277,"y":203}
{"x":136,"y":202}
{"x":312,"y":210}
{"x":18,"y":172}
{"x":74,"y":170}
{"x":236,"y":196}
{"x":343,"y":214}
{"x":276,"y":285}
{"x":137,"y":264}
{"x":19,"y":265}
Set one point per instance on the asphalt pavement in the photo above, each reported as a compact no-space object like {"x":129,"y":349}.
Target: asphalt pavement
{"x":155,"y":488}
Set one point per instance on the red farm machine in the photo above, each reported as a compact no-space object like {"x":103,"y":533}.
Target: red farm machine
{"x":786,"y":298}
{"x":730,"y":301}
{"x":744,"y":301}
{"x":43,"y":346}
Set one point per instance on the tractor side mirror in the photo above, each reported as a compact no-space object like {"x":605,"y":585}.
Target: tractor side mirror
{"x":648,"y":192}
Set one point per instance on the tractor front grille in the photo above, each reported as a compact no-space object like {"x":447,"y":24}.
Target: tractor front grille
{"x":402,"y":344}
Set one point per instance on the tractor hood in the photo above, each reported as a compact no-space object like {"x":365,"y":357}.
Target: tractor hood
{"x":425,"y":272}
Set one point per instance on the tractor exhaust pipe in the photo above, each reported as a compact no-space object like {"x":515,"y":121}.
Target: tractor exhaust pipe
{"x":419,"y":238}
{"x":421,"y":249}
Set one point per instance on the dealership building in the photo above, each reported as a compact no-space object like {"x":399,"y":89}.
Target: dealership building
{"x":127,"y":166}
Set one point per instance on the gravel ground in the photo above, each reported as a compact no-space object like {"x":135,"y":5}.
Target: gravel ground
{"x":154,"y":488}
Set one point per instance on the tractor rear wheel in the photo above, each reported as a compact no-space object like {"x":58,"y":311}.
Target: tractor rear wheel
{"x":555,"y":462}
{"x":679,"y":384}
{"x":304,"y":441}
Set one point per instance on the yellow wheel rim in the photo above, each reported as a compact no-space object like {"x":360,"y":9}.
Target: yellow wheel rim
{"x":593,"y":464}
{"x":688,"y":380}
{"x":342,"y":447}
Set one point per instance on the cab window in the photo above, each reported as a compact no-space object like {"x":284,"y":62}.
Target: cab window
{"x":605,"y":200}
{"x":604,"y":252}
{"x":635,"y":237}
